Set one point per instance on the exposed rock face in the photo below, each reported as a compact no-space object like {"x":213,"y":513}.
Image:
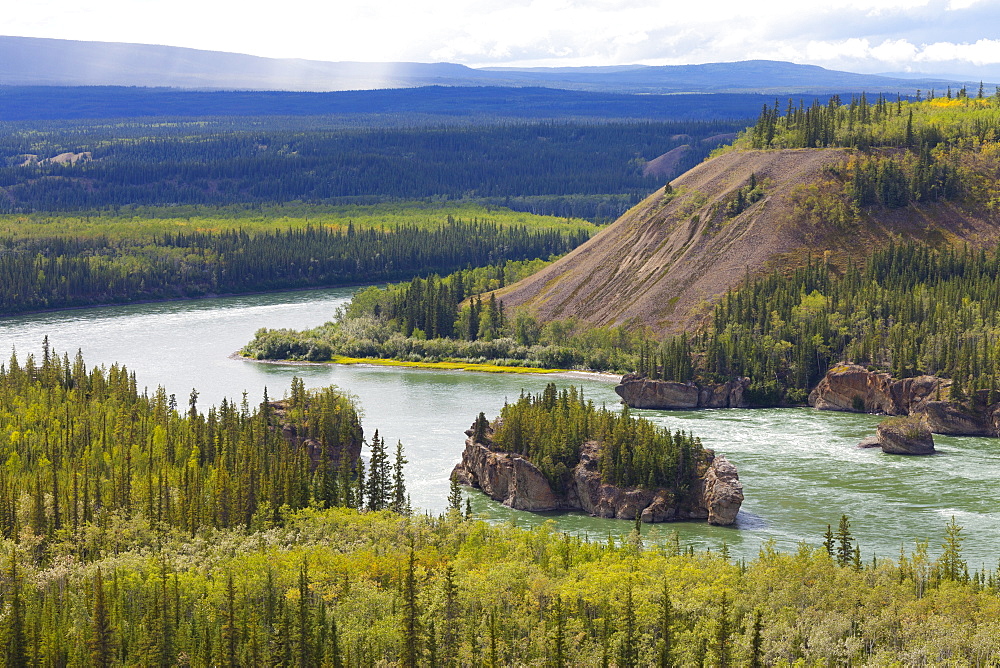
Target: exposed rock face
{"x":641,"y":392}
{"x":905,"y":436}
{"x":945,"y":417}
{"x":852,"y":388}
{"x":723,"y":492}
{"x":510,"y":479}
{"x":314,"y":449}
{"x":870,"y":442}
{"x":516,"y":482}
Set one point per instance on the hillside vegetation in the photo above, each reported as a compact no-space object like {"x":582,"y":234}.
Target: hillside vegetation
{"x":877,"y":246}
{"x":843,"y":179}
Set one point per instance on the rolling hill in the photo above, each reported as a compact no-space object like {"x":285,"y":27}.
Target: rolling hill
{"x":26,"y":61}
{"x":663,"y":263}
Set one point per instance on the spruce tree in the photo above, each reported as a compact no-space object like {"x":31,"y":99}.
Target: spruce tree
{"x":666,"y":622}
{"x":410,"y":652}
{"x":756,"y":641}
{"x":454,"y":496}
{"x":16,"y":649}
{"x":845,"y":551}
{"x":400,"y":502}
{"x":101,"y":637}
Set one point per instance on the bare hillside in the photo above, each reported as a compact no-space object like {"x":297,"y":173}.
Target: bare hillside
{"x":666,"y":260}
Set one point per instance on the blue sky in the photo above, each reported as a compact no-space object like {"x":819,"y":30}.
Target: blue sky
{"x":932,"y":36}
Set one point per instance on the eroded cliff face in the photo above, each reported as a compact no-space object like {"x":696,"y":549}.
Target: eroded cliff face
{"x":640,"y":392}
{"x":853,"y":388}
{"x":516,"y":482}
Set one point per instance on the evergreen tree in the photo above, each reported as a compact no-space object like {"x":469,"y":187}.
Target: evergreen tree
{"x":845,"y":551}
{"x":666,"y":623}
{"x":400,"y":501}
{"x":953,"y":567}
{"x":16,"y":645}
{"x":379,"y":483}
{"x":454,"y":496}
{"x":410,"y":652}
{"x":102,"y":636}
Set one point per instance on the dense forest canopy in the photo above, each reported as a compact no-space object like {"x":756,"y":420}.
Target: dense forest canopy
{"x":485,"y":105}
{"x":550,"y":428}
{"x":908,"y":311}
{"x":84,"y":448}
{"x":568,"y":168}
{"x":59,"y":270}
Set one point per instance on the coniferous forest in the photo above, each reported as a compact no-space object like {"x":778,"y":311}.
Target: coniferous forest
{"x":139,"y":531}
{"x":51,"y":272}
{"x":550,"y":428}
{"x":589,"y":169}
{"x":142,"y":529}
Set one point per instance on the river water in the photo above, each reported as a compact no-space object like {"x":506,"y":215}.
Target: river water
{"x":800,"y":468}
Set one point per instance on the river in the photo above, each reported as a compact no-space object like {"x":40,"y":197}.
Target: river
{"x":800,"y":468}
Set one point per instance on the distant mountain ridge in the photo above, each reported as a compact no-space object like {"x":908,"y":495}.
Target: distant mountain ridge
{"x":29,"y":61}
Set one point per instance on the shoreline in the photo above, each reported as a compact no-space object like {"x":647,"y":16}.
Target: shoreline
{"x":472,"y":367}
{"x":170,"y":300}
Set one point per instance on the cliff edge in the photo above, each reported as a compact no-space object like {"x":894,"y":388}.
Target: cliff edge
{"x":513,"y":480}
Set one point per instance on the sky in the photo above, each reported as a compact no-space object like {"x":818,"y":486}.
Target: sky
{"x":959,"y":37}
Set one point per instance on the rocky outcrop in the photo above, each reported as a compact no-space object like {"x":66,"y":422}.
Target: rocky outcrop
{"x":905,"y":436}
{"x":314,"y":449}
{"x":722,"y":492}
{"x":870,"y":442}
{"x":638,"y":391}
{"x":853,"y":388}
{"x":516,"y":482}
{"x":509,"y":478}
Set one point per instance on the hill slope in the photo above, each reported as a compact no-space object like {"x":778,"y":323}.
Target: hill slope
{"x":663,"y":262}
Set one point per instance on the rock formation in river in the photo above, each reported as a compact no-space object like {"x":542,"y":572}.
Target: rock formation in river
{"x":638,"y":391}
{"x":513,"y":480}
{"x":853,"y":388}
{"x":907,"y":435}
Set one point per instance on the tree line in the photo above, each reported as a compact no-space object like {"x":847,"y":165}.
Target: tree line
{"x":941,"y":148}
{"x":339,"y":588}
{"x":51,"y":272}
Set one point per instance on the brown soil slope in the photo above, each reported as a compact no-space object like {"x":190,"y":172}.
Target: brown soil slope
{"x":665,"y":261}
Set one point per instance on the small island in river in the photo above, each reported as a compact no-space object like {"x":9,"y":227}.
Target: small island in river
{"x":555,"y":451}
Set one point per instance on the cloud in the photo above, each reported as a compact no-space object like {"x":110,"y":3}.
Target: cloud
{"x":864,"y":35}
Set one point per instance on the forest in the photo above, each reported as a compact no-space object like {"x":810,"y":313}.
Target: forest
{"x":83,"y":449}
{"x":142,"y":532}
{"x":46,"y":270}
{"x":938,"y":148}
{"x":549,"y":429}
{"x":592,"y":169}
{"x":433,"y":319}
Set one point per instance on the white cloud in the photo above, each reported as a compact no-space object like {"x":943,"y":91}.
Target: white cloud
{"x":868,"y":35}
{"x":983,"y":52}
